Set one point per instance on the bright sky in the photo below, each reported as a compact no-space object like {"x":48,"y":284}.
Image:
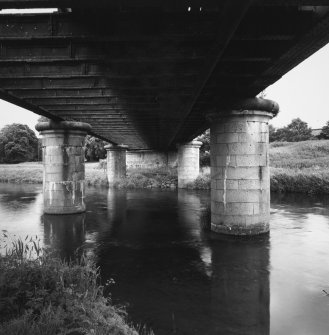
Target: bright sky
{"x":303,"y":92}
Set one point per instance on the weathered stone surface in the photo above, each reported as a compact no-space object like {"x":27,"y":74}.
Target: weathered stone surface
{"x":64,"y":169}
{"x":149,"y":159}
{"x":116,"y":162}
{"x":240,"y":189}
{"x":188,"y":163}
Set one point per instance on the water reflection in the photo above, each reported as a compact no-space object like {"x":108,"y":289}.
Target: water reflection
{"x":20,"y":209}
{"x":240,"y":289}
{"x":176,"y":276}
{"x":155,"y":257}
{"x":64,"y":233}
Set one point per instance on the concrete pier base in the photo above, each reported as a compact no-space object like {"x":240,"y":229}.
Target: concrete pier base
{"x":64,"y":166}
{"x":188,"y":162}
{"x":240,"y":179}
{"x":116,"y":162}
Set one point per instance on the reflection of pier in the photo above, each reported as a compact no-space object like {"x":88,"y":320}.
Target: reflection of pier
{"x":240,"y":288}
{"x":174,"y":277}
{"x":64,"y":233}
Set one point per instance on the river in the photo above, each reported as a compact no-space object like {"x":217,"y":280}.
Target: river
{"x":175,"y":276}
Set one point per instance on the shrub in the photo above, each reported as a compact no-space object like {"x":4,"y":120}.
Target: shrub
{"x":40,"y":294}
{"x":202,"y":182}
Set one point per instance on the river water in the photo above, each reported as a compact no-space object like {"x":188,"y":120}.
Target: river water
{"x":175,"y":276}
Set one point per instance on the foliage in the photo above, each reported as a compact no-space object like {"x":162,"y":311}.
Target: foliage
{"x":149,"y":178}
{"x":325,"y":132}
{"x":43,"y":119}
{"x":310,"y":180}
{"x":202,"y":182}
{"x":44,"y":295}
{"x":94,"y":148}
{"x":18,"y":143}
{"x":271,"y":131}
{"x":297,"y":130}
{"x":205,"y":148}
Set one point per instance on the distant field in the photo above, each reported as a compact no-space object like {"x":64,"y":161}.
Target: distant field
{"x":295,"y":167}
{"x":32,"y":173}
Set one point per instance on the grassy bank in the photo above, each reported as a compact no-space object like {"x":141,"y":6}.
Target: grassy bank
{"x":300,"y":167}
{"x":295,"y":167}
{"x":42,"y":295}
{"x":33,"y":173}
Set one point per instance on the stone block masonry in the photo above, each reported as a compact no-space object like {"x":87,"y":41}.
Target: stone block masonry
{"x":149,"y":159}
{"x":188,"y":163}
{"x":64,"y":166}
{"x":240,"y":181}
{"x":116,"y":162}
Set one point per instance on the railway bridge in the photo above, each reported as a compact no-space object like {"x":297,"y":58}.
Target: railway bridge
{"x":154,"y":74}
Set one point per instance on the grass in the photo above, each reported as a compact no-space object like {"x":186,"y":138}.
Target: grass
{"x":33,"y":173}
{"x":21,"y":173}
{"x":300,"y":167}
{"x":43,"y":295}
{"x":300,"y":155}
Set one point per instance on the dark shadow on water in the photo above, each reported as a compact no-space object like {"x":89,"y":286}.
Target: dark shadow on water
{"x":174,"y":277}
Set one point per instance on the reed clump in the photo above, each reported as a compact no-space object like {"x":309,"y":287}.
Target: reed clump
{"x":43,"y":295}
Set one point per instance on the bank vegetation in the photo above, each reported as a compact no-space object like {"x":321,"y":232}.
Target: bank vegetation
{"x":295,"y":167}
{"x":43,"y":295}
{"x":300,"y":167}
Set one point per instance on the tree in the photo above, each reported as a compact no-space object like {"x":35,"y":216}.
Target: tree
{"x":272,"y":133}
{"x":205,"y":148}
{"x":43,"y":119}
{"x":325,"y":132}
{"x":18,"y":143}
{"x":298,"y":130}
{"x":94,"y":148}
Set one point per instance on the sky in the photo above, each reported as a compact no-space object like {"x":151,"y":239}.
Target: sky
{"x":303,"y":92}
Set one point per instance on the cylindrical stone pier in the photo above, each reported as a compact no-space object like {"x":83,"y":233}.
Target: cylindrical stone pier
{"x":240,"y":179}
{"x":64,"y":166}
{"x":116,"y":162}
{"x":188,"y":162}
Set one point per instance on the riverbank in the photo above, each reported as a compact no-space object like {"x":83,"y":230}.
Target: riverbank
{"x":32,"y":173}
{"x":295,"y":167}
{"x":301,"y":167}
{"x":40,"y":294}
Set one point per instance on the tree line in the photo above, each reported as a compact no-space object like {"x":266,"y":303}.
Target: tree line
{"x":296,"y":131}
{"x":18,"y":143}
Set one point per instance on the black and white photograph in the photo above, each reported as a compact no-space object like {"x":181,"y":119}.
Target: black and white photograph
{"x":164,"y":167}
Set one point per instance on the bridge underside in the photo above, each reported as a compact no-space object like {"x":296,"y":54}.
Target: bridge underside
{"x":145,"y":73}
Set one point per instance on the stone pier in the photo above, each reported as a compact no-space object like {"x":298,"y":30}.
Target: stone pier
{"x":116,"y":162}
{"x":188,"y":162}
{"x":64,"y":166}
{"x":240,"y":179}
